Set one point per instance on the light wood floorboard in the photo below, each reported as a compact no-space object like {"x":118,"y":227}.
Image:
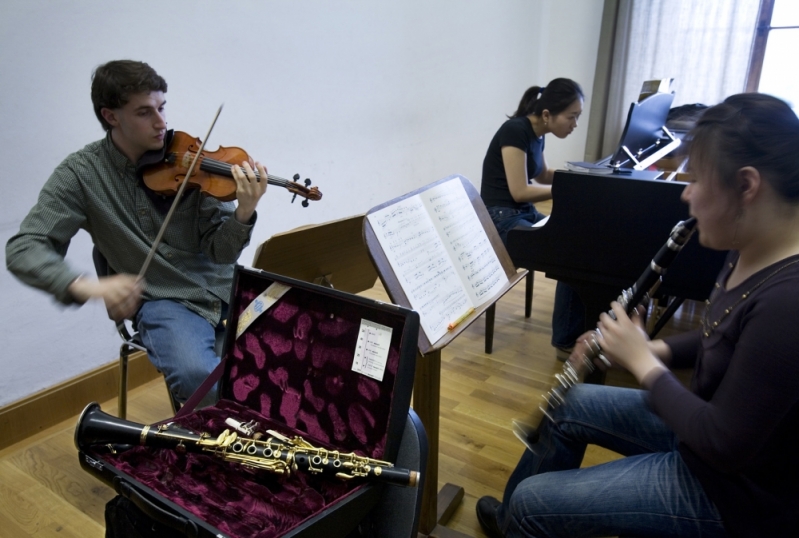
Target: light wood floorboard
{"x":44,"y":492}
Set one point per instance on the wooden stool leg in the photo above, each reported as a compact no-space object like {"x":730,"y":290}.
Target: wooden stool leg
{"x":490,"y":313}
{"x":528,"y":295}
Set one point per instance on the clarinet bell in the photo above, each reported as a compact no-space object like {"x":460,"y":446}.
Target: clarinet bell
{"x":525,"y":433}
{"x":96,"y":427}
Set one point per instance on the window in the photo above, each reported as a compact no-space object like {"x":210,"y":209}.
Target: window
{"x":772,"y":67}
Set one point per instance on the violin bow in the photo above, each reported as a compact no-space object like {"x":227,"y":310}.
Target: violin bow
{"x":182,"y":187}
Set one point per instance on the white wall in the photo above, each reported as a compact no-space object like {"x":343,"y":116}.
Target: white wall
{"x":370,"y":99}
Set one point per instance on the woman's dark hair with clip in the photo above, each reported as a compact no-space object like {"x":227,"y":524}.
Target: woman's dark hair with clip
{"x":749,"y":129}
{"x":114,"y":82}
{"x":555,"y":97}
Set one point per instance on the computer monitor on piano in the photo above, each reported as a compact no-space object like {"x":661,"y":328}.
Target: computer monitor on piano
{"x":645,"y":138}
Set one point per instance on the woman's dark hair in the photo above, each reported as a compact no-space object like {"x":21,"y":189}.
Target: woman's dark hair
{"x":555,"y":97}
{"x":749,"y":129}
{"x":114,"y":82}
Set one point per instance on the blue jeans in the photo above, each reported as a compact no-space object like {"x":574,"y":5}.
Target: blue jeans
{"x":182,"y":345}
{"x":568,"y":314}
{"x":506,"y":218}
{"x":651,"y":492}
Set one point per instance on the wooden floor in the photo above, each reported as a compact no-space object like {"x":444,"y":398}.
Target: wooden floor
{"x":43,"y":491}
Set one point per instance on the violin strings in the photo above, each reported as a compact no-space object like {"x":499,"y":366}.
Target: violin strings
{"x":212,"y":165}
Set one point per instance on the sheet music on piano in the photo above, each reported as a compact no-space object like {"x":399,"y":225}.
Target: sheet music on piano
{"x":441,"y":255}
{"x":591,"y":168}
{"x":645,"y":138}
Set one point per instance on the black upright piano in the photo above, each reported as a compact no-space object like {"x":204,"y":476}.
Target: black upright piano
{"x":602,"y":233}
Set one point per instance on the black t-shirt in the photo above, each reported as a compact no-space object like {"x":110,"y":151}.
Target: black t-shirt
{"x":518,"y":133}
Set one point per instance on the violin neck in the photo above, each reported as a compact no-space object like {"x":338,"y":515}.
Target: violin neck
{"x":226,"y":169}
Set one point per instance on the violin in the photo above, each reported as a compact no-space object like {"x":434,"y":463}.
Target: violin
{"x":166,"y":171}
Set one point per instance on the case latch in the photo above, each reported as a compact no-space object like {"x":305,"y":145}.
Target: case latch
{"x":93,"y":462}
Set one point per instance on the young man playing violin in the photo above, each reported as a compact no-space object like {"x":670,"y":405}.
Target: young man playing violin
{"x":180,"y":308}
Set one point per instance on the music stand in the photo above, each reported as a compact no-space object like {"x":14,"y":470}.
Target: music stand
{"x":437,"y":507}
{"x":645,"y":138}
{"x":331,"y":254}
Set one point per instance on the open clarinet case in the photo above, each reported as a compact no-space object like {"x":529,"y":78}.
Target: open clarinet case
{"x":295,"y":367}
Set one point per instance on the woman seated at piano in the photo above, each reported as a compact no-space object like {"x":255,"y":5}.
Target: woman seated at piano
{"x":515,"y":173}
{"x":515,"y":176}
{"x":719,"y":458}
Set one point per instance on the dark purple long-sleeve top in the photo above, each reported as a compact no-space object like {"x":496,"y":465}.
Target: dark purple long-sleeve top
{"x":738,"y":425}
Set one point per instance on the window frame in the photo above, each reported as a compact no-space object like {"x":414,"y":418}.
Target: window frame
{"x":758,"y":54}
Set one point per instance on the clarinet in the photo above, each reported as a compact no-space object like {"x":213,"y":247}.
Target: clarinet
{"x":640,"y":292}
{"x":277,"y":454}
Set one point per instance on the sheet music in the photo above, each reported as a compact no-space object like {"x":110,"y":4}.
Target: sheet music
{"x":462,"y":232}
{"x":443,"y":279}
{"x":421,"y":263}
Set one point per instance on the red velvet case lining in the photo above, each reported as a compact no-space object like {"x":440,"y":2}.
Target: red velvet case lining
{"x":293,"y":364}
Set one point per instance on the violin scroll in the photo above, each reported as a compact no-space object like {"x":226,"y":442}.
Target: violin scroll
{"x":309,"y":193}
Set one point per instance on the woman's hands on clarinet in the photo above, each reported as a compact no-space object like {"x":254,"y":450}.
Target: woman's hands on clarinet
{"x":583,"y":348}
{"x":624,"y":342}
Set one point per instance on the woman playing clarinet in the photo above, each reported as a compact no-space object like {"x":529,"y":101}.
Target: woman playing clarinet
{"x":718,"y":458}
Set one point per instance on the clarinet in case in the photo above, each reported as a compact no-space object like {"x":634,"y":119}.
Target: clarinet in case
{"x":313,"y":402}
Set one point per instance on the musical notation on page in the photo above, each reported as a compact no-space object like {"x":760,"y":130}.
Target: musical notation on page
{"x":440,"y":253}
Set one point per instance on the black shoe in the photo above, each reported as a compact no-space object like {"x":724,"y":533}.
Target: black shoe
{"x":487,"y":516}
{"x":563,"y":353}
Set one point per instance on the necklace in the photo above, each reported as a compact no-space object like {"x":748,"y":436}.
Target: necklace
{"x":707,"y":327}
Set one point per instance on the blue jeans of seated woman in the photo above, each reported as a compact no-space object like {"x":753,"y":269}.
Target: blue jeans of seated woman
{"x":182,"y":345}
{"x":507,"y":218}
{"x":651,"y":492}
{"x":568,"y":314}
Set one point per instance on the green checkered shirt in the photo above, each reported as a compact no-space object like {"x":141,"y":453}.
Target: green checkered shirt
{"x":96,"y":189}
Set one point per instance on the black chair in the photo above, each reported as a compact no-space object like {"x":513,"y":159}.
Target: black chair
{"x":131,"y":342}
{"x":396,"y":515}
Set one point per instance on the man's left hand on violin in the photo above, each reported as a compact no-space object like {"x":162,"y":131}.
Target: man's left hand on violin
{"x":250,"y":187}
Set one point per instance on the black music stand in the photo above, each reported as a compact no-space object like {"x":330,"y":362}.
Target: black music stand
{"x":437,"y":507}
{"x":645,"y":138}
